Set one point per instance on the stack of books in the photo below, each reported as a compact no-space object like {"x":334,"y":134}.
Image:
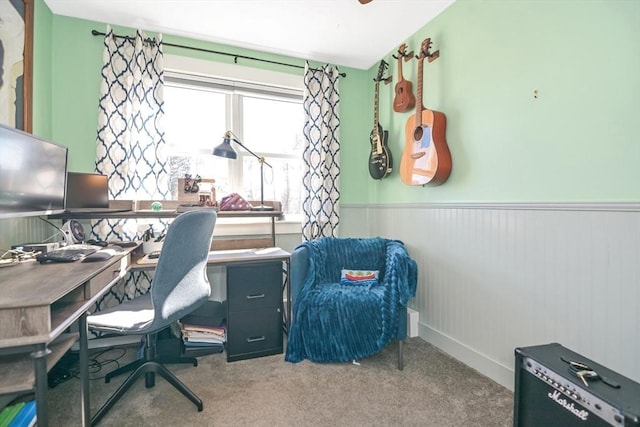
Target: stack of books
{"x":19,"y":414}
{"x":200,"y":340}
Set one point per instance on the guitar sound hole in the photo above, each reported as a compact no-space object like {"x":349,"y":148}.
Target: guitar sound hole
{"x":417,"y":133}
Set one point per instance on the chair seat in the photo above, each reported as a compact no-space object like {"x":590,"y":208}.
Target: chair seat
{"x":347,"y":320}
{"x":130,"y":317}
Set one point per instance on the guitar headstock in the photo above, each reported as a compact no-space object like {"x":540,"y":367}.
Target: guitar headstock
{"x":402,"y":52}
{"x":425,"y":48}
{"x":381,"y":69}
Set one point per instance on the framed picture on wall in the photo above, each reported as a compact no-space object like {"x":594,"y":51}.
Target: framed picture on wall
{"x":16,"y":63}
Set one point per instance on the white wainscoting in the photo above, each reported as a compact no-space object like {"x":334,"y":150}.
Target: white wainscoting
{"x":25,"y":230}
{"x":493,"y":277}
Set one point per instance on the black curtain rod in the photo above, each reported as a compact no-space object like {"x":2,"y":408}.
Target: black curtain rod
{"x":199,"y":49}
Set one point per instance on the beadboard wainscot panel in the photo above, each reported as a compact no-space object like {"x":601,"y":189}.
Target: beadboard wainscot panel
{"x":14,"y":231}
{"x":493,"y":277}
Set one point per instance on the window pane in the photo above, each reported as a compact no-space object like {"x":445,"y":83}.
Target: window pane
{"x":205,"y":165}
{"x":282,"y":183}
{"x":194,"y":124}
{"x":272,"y":126}
{"x":195,"y":119}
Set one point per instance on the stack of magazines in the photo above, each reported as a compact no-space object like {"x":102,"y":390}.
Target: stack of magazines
{"x":200,"y":340}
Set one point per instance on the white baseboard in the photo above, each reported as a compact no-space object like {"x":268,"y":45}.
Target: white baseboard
{"x":413,"y":317}
{"x":480,"y":362}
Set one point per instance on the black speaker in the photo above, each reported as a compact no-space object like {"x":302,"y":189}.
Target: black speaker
{"x":556,"y":387}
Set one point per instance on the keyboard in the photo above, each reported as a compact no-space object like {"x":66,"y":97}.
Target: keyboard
{"x":69,"y":253}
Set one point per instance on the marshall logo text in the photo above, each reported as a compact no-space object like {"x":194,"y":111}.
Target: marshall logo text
{"x":556,"y":397}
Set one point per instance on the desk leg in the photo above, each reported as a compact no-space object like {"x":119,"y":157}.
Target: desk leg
{"x":288,"y":285}
{"x":84,"y":371}
{"x":273,"y":231}
{"x":40,"y":367}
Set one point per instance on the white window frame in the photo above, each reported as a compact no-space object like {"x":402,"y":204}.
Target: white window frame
{"x":247,"y":76}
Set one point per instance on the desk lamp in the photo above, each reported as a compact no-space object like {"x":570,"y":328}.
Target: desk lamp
{"x":226,"y":150}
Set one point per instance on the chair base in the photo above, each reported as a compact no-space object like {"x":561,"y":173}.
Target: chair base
{"x":148,"y":367}
{"x":136,"y":363}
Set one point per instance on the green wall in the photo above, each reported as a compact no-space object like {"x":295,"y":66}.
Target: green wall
{"x":71,"y":59}
{"x":42,"y":70}
{"x":575,"y":142}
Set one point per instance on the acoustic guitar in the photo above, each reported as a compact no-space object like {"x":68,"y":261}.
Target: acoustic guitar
{"x":404,"y":99}
{"x":426,"y":159}
{"x":380,"y":160}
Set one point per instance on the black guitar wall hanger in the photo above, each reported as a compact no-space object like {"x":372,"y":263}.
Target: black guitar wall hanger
{"x":383,"y":66}
{"x":432,"y":56}
{"x":406,"y":56}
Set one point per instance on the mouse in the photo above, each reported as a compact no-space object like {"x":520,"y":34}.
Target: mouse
{"x":101,"y":255}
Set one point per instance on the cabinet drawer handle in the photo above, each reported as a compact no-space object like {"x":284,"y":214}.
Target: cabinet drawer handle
{"x":255,"y":296}
{"x":255,"y":339}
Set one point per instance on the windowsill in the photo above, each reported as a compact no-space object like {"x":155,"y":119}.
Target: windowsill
{"x":253,"y":226}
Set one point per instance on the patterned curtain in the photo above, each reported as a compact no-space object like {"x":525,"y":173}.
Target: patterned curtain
{"x":131,"y":149}
{"x":321,"y":177}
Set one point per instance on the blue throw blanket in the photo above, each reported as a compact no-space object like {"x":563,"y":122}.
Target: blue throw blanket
{"x":333,"y":322}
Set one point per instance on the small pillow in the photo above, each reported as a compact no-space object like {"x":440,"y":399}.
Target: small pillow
{"x":359,"y":277}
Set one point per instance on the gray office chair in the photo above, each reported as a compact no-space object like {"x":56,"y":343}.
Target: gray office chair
{"x":179,"y":286}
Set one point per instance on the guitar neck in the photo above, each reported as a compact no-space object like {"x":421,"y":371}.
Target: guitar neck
{"x":400,"y":78}
{"x":419,"y":106}
{"x":375,"y":108}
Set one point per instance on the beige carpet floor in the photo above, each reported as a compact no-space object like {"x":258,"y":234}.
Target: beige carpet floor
{"x":432,"y":390}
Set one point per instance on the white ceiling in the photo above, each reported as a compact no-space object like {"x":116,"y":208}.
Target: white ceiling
{"x":341,"y":32}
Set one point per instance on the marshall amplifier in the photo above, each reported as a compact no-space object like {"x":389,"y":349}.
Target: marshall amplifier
{"x":555,"y":387}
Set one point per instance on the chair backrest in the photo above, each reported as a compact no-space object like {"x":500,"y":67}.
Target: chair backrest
{"x":180,"y":283}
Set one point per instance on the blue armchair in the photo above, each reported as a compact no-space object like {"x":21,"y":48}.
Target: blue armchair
{"x":336,"y":319}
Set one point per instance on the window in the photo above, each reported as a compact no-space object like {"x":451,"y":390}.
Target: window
{"x":266,"y":119}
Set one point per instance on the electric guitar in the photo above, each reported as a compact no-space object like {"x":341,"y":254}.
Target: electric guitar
{"x":404,"y":99}
{"x":380,"y":160}
{"x":426,"y":159}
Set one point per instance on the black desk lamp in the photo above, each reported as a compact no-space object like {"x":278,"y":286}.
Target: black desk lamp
{"x":226,"y":150}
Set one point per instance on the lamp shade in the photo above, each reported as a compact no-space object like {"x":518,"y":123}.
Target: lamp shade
{"x":225,"y":149}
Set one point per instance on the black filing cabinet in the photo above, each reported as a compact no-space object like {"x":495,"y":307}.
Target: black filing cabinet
{"x":254,"y":297}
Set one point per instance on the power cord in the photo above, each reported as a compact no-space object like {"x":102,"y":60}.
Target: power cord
{"x":68,"y":366}
{"x":17,"y":255}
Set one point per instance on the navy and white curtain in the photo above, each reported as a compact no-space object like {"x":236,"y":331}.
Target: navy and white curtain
{"x":321,"y":155}
{"x":131,"y":149}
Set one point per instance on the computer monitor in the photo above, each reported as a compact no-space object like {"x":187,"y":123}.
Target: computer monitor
{"x":87,"y":190}
{"x":32,"y":174}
